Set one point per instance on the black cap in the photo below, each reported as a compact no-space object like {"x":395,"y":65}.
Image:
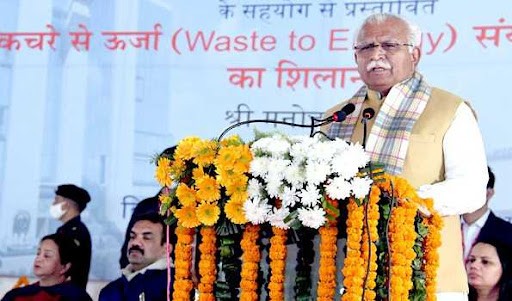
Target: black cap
{"x":74,"y":193}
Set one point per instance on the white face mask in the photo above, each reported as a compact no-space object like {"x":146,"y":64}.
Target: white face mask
{"x":56,"y":210}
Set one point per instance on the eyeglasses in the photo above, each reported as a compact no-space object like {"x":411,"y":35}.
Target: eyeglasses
{"x":390,"y":47}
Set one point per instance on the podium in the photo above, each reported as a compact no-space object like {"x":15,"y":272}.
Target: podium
{"x":240,"y":205}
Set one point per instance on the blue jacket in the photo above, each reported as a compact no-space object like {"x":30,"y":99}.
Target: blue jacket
{"x":496,"y":229}
{"x":152,"y":283}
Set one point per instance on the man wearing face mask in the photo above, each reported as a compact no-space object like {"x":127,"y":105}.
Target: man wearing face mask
{"x":70,"y":200}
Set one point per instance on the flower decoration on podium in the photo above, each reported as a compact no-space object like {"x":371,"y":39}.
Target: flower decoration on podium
{"x":204,"y":181}
{"x":301,"y":173}
{"x":236,"y":200}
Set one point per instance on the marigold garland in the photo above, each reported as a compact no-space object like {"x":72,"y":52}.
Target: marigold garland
{"x":250,"y":263}
{"x":353,"y":266}
{"x":431,"y":244}
{"x":402,"y":236}
{"x":327,"y":266}
{"x":373,"y":221}
{"x":182,"y":262}
{"x":207,"y":264}
{"x":277,"y":256}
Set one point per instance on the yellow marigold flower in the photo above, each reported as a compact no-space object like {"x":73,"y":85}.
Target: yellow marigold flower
{"x":226,"y":158}
{"x":187,"y":217}
{"x":204,"y":152}
{"x":240,"y":197}
{"x":207,"y":189}
{"x":235,"y":212}
{"x":244,"y":160}
{"x":163,"y":171}
{"x":238,"y":184}
{"x":184,"y":148}
{"x":208,"y":213}
{"x":186,"y":195}
{"x":177,"y":169}
{"x":224,"y":177}
{"x":231,"y":140}
{"x":197,"y":173}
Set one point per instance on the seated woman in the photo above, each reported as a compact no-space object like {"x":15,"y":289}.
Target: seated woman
{"x":489,"y":268}
{"x":51,"y":266}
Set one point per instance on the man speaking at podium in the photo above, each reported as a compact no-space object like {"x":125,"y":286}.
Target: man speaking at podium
{"x":422,"y":133}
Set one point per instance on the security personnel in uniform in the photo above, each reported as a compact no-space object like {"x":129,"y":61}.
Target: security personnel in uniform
{"x":70,"y":201}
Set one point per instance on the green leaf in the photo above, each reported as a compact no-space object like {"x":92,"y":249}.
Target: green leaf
{"x":335,"y":211}
{"x":170,"y":220}
{"x":290,"y":217}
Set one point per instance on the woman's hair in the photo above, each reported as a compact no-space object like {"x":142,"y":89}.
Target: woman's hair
{"x":505,"y":283}
{"x":64,"y":245}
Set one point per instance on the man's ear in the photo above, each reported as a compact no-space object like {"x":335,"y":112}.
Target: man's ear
{"x":416,"y":55}
{"x":490,"y":193}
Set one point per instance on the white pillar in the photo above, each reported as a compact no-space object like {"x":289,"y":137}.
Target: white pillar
{"x":24,"y":137}
{"x":119,"y":180}
{"x":72,"y":118}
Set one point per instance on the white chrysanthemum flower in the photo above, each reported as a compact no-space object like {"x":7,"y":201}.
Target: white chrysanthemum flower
{"x":357,"y":154}
{"x":278,"y":168}
{"x":339,"y":145}
{"x":277,"y":216}
{"x":310,"y":196}
{"x":259,"y":166}
{"x":338,"y":189}
{"x":254,"y":188}
{"x":262,"y":145}
{"x":312,"y":217}
{"x":321,"y":152}
{"x":279,"y":147}
{"x":289,"y":197}
{"x":361,"y":187}
{"x":256,"y":210}
{"x":299,"y":151}
{"x":294,"y":174}
{"x":344,"y":166}
{"x":273,"y":186}
{"x":317,"y":172}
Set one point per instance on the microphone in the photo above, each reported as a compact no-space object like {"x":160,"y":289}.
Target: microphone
{"x":341,"y":115}
{"x":338,"y":116}
{"x":368,"y":114}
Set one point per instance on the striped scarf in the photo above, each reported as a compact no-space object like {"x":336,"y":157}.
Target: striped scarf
{"x":389,"y":137}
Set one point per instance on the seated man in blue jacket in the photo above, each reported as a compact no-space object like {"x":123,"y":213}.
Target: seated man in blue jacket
{"x":145,"y":277}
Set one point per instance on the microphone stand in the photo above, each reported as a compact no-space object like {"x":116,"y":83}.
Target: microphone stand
{"x":315,"y":122}
{"x":364,"y":121}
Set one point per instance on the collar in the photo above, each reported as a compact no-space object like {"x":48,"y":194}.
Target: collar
{"x":480,"y":222}
{"x":374,"y":96}
{"x":160,"y":264}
